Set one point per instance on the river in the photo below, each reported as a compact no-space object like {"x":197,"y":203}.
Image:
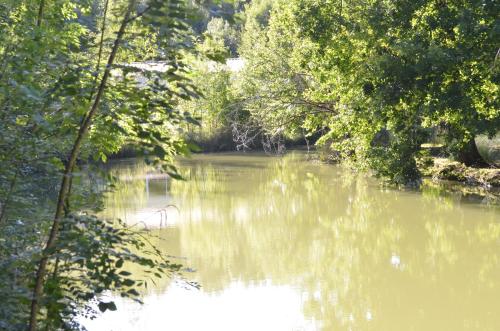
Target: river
{"x":283,"y":243}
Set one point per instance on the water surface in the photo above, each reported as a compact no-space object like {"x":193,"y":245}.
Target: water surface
{"x":281,"y":243}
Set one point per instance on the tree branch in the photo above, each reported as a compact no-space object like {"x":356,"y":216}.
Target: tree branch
{"x":41,"y":8}
{"x":65,"y":183}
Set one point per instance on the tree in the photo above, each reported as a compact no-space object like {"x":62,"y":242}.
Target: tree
{"x":376,"y":76}
{"x":61,"y":105}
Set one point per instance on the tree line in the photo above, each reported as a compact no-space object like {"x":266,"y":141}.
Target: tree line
{"x":370,"y":81}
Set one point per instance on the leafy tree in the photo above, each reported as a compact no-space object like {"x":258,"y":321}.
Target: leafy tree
{"x":375,"y":77}
{"x":69,"y":92}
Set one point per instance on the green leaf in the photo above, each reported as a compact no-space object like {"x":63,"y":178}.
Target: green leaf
{"x":175,"y":175}
{"x":119,"y":263}
{"x":103,"y":306}
{"x":129,"y":282}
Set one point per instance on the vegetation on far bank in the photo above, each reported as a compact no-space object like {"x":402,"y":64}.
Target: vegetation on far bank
{"x":370,"y":81}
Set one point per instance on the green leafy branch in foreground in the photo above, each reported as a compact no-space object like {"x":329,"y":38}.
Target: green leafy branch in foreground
{"x":60,"y":105}
{"x":94,"y":257}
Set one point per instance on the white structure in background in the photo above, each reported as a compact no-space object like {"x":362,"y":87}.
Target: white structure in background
{"x":141,"y":67}
{"x":232,"y":64}
{"x":149,"y":66}
{"x":235,"y":64}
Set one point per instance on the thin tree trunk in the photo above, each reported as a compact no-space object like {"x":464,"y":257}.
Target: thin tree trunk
{"x":101,"y":46}
{"x":5,"y":62}
{"x":65,"y":183}
{"x":54,"y":275}
{"x":67,"y":207}
{"x":7,"y":198}
{"x":67,"y":210}
{"x":39,"y":18}
{"x":469,"y":155}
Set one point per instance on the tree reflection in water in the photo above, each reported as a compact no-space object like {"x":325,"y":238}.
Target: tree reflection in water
{"x":359,"y":256}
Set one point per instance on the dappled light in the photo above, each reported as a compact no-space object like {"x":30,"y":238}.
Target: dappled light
{"x":333,"y":250}
{"x":256,"y":165}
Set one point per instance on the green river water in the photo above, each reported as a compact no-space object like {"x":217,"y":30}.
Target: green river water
{"x":282,"y":243}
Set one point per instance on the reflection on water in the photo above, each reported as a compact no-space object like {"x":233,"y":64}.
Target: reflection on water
{"x":285,"y":244}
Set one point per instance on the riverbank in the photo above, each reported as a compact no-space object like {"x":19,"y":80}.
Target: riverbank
{"x":435,"y":169}
{"x":448,"y":176}
{"x":445,"y":169}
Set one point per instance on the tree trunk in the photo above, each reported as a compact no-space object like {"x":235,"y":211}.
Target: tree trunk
{"x":469,"y":155}
{"x":101,"y":46}
{"x":3,"y":206}
{"x":39,"y":18}
{"x":65,"y":183}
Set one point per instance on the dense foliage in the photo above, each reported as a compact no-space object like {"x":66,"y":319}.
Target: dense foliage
{"x":373,"y":79}
{"x":71,"y":91}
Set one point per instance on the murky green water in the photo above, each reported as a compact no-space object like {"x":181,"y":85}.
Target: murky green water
{"x":286,"y":244}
